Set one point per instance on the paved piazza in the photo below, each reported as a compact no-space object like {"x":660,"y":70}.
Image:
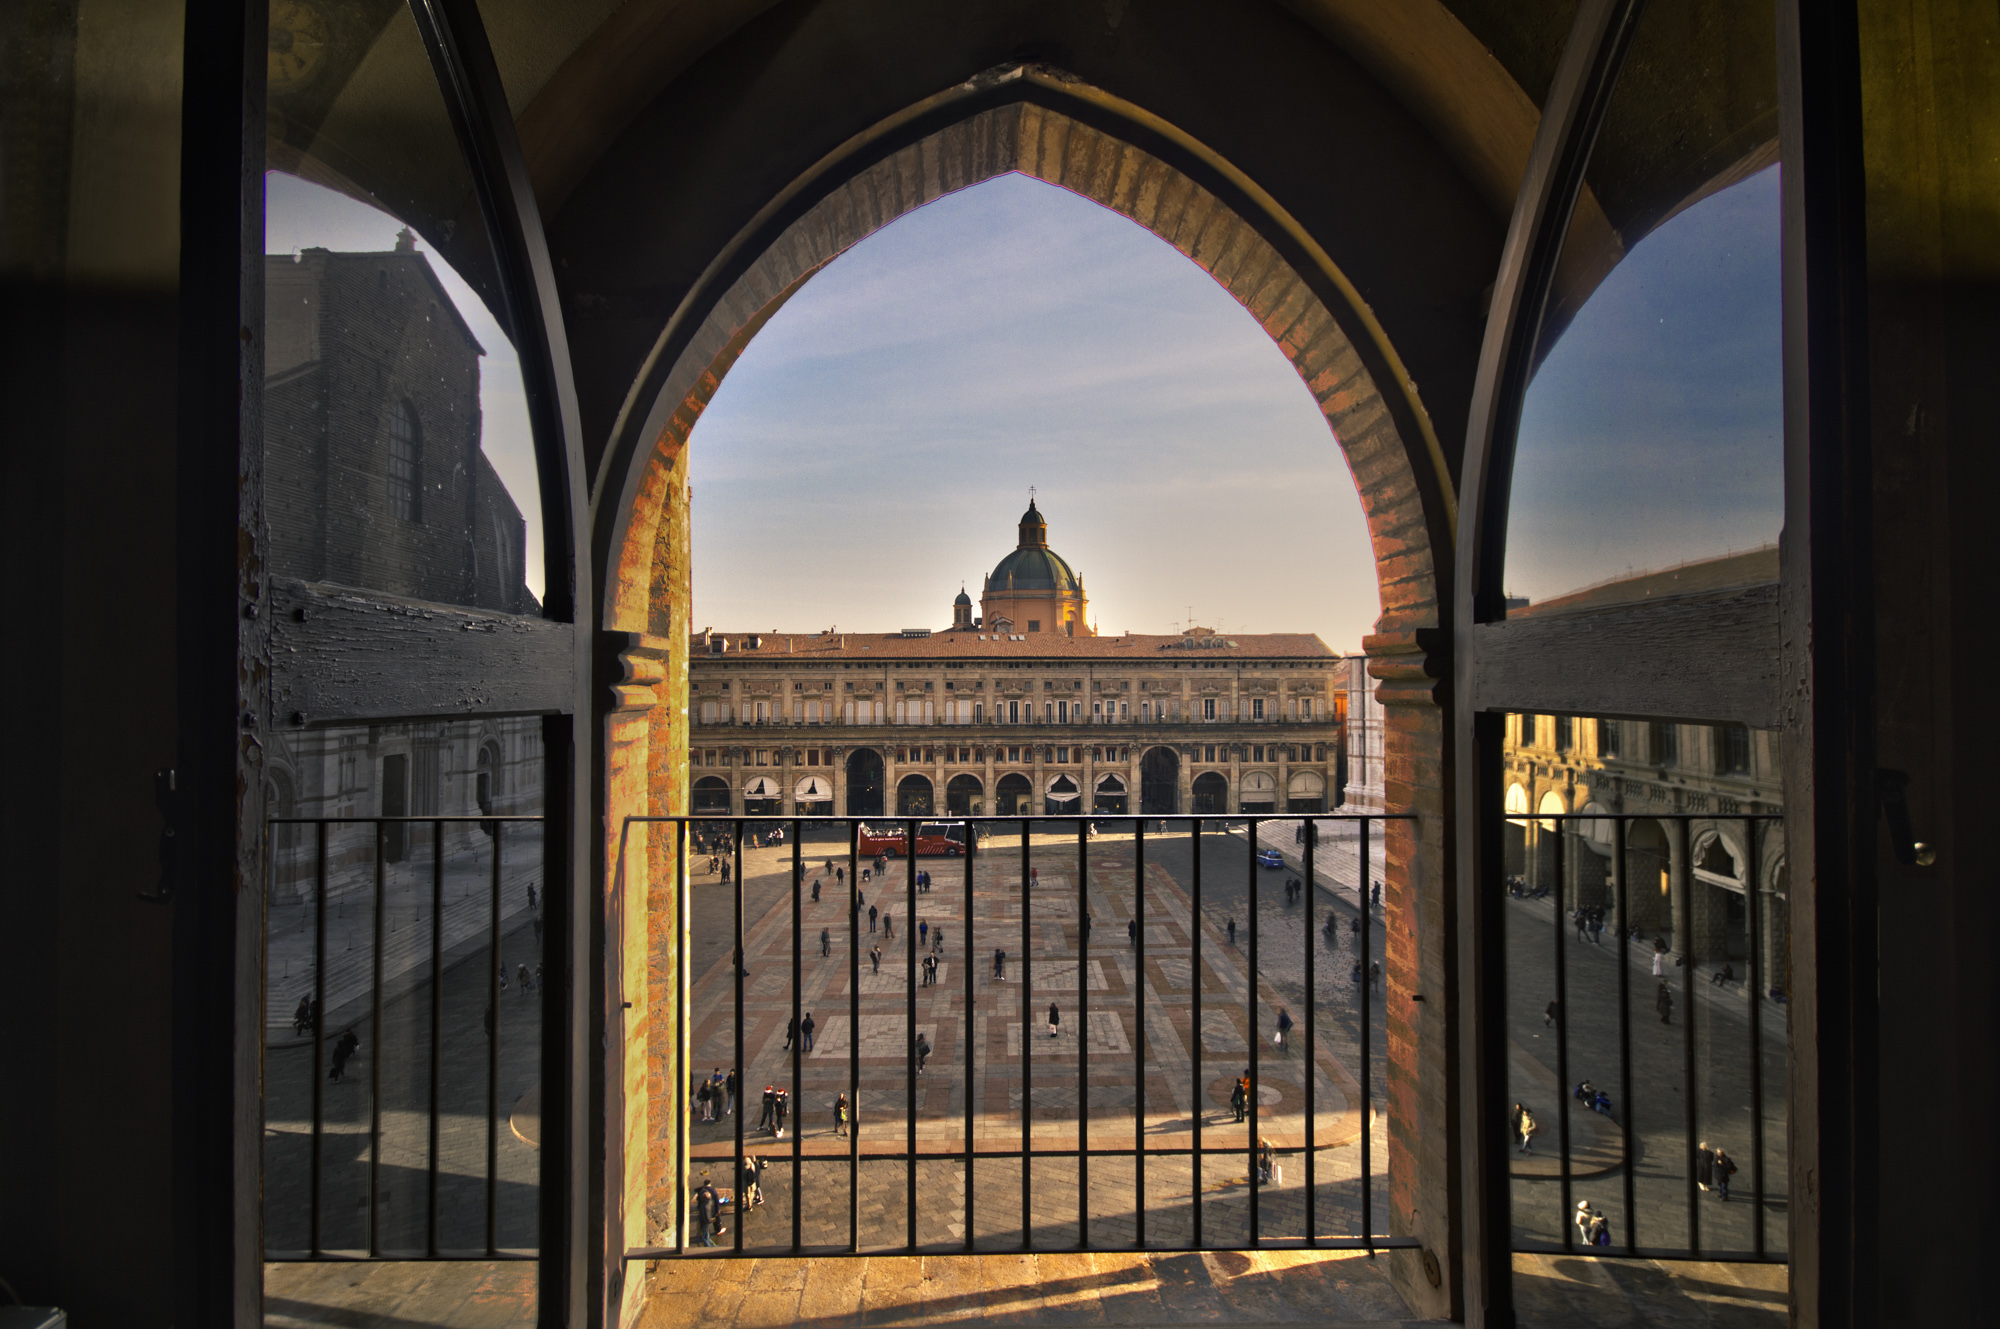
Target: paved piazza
{"x":1109,"y":1042}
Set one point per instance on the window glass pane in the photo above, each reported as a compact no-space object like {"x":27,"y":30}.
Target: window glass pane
{"x":1650,"y":434}
{"x":1593,"y":943}
{"x":398,"y":454}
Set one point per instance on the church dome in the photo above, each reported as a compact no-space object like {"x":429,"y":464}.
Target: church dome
{"x":1032,"y":568}
{"x":963,"y":598}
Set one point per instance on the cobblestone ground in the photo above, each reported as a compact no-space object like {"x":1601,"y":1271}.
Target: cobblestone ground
{"x":1117,"y":989}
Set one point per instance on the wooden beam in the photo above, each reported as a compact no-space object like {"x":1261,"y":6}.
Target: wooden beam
{"x":1703,"y":659}
{"x":341,"y":654}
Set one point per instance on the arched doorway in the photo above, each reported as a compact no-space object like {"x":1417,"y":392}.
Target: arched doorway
{"x":763,"y":796}
{"x":1160,"y":782}
{"x":1109,"y":796}
{"x":1013,"y":795}
{"x":1305,"y":792}
{"x":1259,"y":792}
{"x":864,"y":783}
{"x":1367,"y":399}
{"x":711,"y":795}
{"x":964,"y":796}
{"x":913,"y":796}
{"x":1647,"y":894}
{"x":1063,"y":795}
{"x":812,"y":795}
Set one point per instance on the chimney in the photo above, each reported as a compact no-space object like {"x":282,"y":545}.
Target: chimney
{"x":406,"y":243}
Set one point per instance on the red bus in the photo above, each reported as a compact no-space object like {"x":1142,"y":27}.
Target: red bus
{"x":934,"y":838}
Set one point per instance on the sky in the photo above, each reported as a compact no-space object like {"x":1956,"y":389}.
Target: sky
{"x":1653,"y":433}
{"x":301,"y":215}
{"x":874,"y":447}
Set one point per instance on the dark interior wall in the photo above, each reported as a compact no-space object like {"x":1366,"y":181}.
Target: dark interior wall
{"x":1250,"y":82}
{"x":1931,"y":94}
{"x":88,"y":376}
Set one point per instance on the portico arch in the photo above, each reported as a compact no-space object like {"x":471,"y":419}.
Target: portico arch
{"x":1189,"y":196}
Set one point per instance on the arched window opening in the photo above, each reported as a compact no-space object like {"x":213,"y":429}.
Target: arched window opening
{"x":405,"y":469}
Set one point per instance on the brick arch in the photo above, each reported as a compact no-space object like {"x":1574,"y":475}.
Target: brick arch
{"x":1407,"y":498}
{"x":1047,"y":145}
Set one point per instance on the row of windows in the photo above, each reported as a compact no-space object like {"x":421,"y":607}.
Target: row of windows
{"x":962,"y":710}
{"x":1729,"y":742}
{"x":1263,"y":752}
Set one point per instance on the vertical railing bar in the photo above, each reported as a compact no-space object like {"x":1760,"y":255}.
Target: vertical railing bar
{"x":437,"y":1035}
{"x":1311,"y":838}
{"x":375,"y":1050}
{"x":1139,"y":1036}
{"x":683,"y":1065}
{"x":318,"y":1033}
{"x":1083,"y":1044}
{"x":910,"y":1032}
{"x":1622,"y":869}
{"x":1256,"y":1039}
{"x":1027,"y":1074}
{"x":1753,"y":898}
{"x":1563,"y":1224}
{"x":493,"y":1053}
{"x":853,"y":1035}
{"x":1195,"y":1040}
{"x":795,"y":1094}
{"x":1362,"y":872}
{"x":737,"y":1068}
{"x":1684,"y":926}
{"x":969,"y":1021}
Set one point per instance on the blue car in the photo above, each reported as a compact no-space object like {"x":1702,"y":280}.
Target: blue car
{"x":1268,"y":858}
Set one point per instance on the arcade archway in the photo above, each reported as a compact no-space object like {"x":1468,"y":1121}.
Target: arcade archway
{"x":864,"y":783}
{"x":1160,"y":782}
{"x":913,"y":796}
{"x":965,"y":796}
{"x":1211,"y":793}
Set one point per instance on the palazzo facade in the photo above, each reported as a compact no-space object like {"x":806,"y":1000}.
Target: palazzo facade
{"x":985,"y":718}
{"x":1701,"y":780}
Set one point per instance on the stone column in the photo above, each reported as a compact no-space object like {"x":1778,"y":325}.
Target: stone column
{"x":787,"y":779}
{"x":739,"y":766}
{"x":989,"y":795}
{"x":838,"y":756}
{"x":1089,"y":779}
{"x":1281,"y":799}
{"x":1186,"y":792}
{"x":1679,"y":879}
{"x":1235,"y":770}
{"x":1037,"y":798}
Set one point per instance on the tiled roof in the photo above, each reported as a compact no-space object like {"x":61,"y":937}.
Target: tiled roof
{"x":777,"y":648}
{"x":1756,"y":567}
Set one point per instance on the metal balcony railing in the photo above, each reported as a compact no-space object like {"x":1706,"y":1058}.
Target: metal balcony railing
{"x":440,"y":925}
{"x":893,"y":1126}
{"x":1631,"y":1110}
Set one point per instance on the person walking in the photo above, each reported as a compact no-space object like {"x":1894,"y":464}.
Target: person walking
{"x":1582,"y":921}
{"x":875,"y":956}
{"x":782,"y":1106}
{"x":1514,"y":1115}
{"x":1132,"y":931}
{"x":729,"y":1094}
{"x":815,"y":890}
{"x":302,"y":1015}
{"x":825,"y":943}
{"x":1664,"y":1003}
{"x":840,"y":877}
{"x":706,"y":1205}
{"x":1034,"y":876}
{"x":1267,"y":1162}
{"x":1000,"y":966}
{"x":1055,"y":1019}
{"x":522,"y":976}
{"x":750,"y":1186}
{"x":1721,"y":1168}
{"x":1550,"y":1014}
{"x":704,"y":1101}
{"x":923,"y":933}
{"x":1375,"y":975}
{"x":840,"y":1115}
{"x":1659,"y":959}
{"x":806,"y":1027}
{"x":1284,"y":1038}
{"x":923,"y":1052}
{"x":344,"y":1049}
{"x":871,"y":918}
{"x":1239,"y":1097}
{"x":1232,"y":931}
{"x":770,"y":1105}
{"x":937,"y":940}
{"x":791,"y":1032}
{"x":1591,"y":1229}
{"x":1526,"y":1128}
{"x":889,"y":926}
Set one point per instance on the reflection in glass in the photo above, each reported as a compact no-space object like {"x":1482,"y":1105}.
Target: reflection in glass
{"x":398,"y":455}
{"x":1592,"y":943}
{"x":1650,"y":435}
{"x":458,"y":768}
